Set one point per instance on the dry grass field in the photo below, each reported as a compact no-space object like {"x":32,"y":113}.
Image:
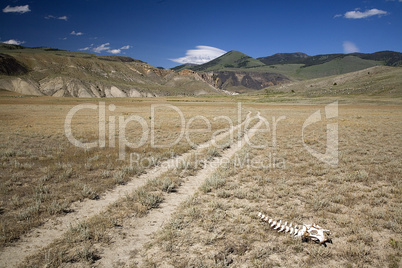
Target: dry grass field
{"x":359,"y":200}
{"x":42,"y":174}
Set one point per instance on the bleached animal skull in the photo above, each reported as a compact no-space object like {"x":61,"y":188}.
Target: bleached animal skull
{"x":307,"y":232}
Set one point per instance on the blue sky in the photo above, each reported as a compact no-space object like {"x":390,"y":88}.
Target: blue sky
{"x":169,"y":32}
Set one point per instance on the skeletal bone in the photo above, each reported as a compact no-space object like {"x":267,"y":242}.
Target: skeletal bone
{"x":278,"y":225}
{"x":296,"y":230}
{"x":302,"y":231}
{"x":283,"y":227}
{"x":306,"y":232}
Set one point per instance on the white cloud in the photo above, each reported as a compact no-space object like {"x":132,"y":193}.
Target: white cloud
{"x":114,"y":51}
{"x":118,"y":51}
{"x":16,"y":9}
{"x":349,"y":47}
{"x":200,"y":55}
{"x":104,"y":47}
{"x":101,"y":48}
{"x":368,"y":13}
{"x":76,"y":33}
{"x":58,"y":18}
{"x":87,"y":48}
{"x":14,"y":42}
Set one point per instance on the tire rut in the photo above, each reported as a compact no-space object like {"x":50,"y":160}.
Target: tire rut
{"x":125,"y":249}
{"x":54,"y":229}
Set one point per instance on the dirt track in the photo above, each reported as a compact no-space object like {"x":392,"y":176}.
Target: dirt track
{"x":138,"y":230}
{"x":120,"y":250}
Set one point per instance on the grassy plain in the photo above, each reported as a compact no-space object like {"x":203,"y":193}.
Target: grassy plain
{"x":42,"y":173}
{"x":359,"y":200}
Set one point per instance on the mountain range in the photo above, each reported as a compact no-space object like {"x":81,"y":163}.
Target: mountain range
{"x":238,"y":72}
{"x":54,"y":72}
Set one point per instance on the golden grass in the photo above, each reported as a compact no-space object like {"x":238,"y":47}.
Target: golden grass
{"x":359,"y":201}
{"x":135,"y":204}
{"x":42,"y":173}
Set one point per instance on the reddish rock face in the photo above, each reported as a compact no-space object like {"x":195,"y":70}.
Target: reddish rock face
{"x":251,"y":80}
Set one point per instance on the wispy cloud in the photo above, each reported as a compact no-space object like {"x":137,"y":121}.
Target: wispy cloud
{"x":58,"y":18}
{"x":118,"y":51}
{"x":87,"y":48}
{"x":350,"y":47}
{"x":76,"y":33}
{"x":16,"y":9}
{"x":356,"y":14}
{"x":13,"y":42}
{"x":101,"y":48}
{"x":200,"y":55}
{"x":105,"y":47}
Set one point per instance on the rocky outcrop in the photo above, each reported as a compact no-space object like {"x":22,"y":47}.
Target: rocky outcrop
{"x":23,"y":86}
{"x":252,"y":80}
{"x":70,"y":87}
{"x":85,"y":76}
{"x":10,"y":66}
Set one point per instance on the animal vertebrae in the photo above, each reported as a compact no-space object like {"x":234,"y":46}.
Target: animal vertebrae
{"x":306,"y":232}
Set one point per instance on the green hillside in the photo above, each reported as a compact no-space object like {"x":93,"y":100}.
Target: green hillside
{"x":284,"y":58}
{"x":183,"y":67}
{"x":235,"y":71}
{"x":374,"y":81}
{"x":336,"y":66}
{"x":297,"y":66}
{"x":231,"y":60}
{"x":388,"y":58}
